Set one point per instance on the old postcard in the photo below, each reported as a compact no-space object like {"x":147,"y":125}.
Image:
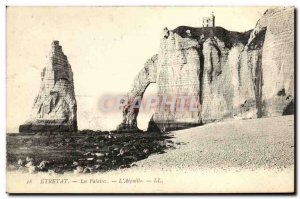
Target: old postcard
{"x":150,"y":99}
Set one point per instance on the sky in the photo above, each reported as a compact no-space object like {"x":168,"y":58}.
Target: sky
{"x":106,"y":47}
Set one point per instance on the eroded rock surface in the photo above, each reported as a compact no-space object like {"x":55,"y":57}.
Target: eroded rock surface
{"x":278,"y":62}
{"x":235,"y":75}
{"x":146,"y":76}
{"x":178,"y":75}
{"x":54,"y":108}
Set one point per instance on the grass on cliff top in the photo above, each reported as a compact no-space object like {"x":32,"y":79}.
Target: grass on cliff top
{"x":228,"y":37}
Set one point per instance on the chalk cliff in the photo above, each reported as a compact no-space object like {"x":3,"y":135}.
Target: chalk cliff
{"x":234,"y":75}
{"x":277,"y":65}
{"x":54,"y":108}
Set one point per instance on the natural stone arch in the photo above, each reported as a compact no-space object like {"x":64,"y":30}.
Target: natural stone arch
{"x":229,"y":71}
{"x":145,"y":77}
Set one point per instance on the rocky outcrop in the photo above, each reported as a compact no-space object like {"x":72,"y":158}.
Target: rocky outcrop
{"x":234,"y":75}
{"x":146,"y":76}
{"x":54,"y":108}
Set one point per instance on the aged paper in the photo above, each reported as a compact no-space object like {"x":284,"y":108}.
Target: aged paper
{"x":150,"y":99}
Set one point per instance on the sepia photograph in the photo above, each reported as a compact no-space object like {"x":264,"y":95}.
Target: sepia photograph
{"x":150,"y":99}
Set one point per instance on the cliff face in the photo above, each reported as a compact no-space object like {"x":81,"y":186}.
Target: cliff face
{"x":231,"y":80}
{"x":54,"y":108}
{"x":278,"y":62}
{"x":178,"y":75}
{"x":234,"y":75}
